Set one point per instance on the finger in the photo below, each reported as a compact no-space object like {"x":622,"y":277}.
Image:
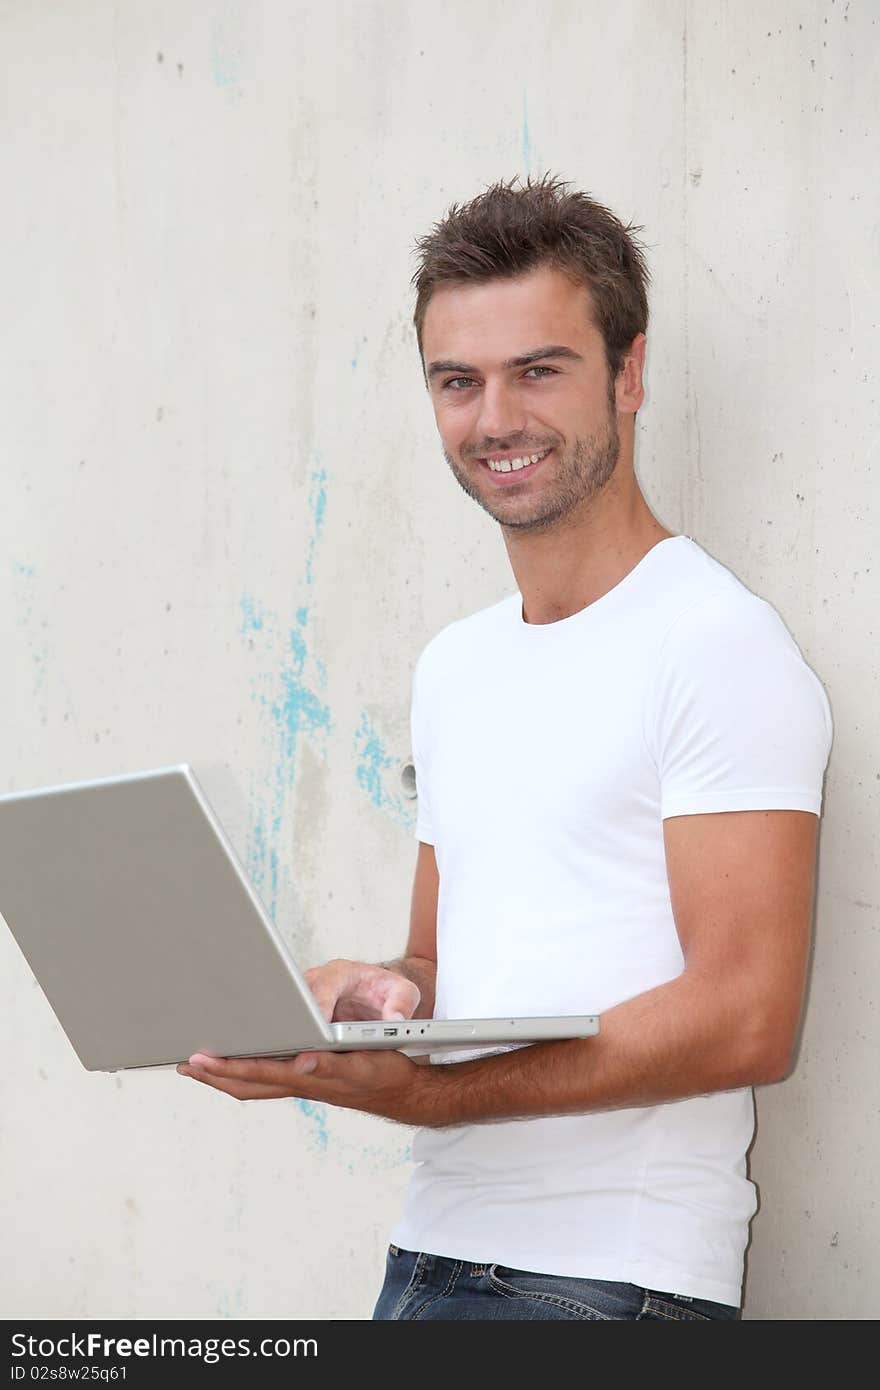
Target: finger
{"x":238,"y":1090}
{"x":401,"y":999}
{"x":286,"y":1072}
{"x":325,"y":993}
{"x":328,"y":983}
{"x":326,"y":999}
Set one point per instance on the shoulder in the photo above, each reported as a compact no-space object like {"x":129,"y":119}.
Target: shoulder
{"x":730,"y":658}
{"x":710,"y":609}
{"x":725,"y":622}
{"x":726,"y":661}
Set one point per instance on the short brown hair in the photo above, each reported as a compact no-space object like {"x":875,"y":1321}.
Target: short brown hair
{"x":505,"y":232}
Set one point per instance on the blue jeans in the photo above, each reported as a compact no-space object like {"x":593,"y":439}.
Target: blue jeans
{"x":435,"y":1288}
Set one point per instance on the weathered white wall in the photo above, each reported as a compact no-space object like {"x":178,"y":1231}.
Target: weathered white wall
{"x":227,"y":530}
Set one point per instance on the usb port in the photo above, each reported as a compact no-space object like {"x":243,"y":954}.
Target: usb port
{"x":389,"y":1032}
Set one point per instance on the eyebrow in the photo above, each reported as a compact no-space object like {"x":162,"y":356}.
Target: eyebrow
{"x":524,"y":360}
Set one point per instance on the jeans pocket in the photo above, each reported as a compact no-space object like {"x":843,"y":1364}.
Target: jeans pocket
{"x":409,"y":1273}
{"x":667,"y":1307}
{"x":559,"y":1296}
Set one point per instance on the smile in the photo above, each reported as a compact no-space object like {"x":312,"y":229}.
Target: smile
{"x":514,"y":465}
{"x":512,"y":471}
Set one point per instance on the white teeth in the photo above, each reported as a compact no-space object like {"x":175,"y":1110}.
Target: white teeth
{"x":514,"y":465}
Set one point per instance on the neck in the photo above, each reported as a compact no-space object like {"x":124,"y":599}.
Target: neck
{"x":572,"y":564}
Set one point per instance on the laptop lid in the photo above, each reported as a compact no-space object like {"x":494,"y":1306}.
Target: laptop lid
{"x":141,"y":927}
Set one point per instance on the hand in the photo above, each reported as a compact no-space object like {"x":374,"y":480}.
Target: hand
{"x":348,"y":990}
{"x":379,"y":1083}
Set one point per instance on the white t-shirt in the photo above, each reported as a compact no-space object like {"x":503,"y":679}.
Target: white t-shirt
{"x":547,"y":756}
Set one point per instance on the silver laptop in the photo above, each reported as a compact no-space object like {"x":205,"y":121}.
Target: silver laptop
{"x":150,"y":943}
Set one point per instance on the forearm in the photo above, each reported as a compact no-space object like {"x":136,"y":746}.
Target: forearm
{"x":686,"y":1038}
{"x":423,"y":974}
{"x":682,"y":1039}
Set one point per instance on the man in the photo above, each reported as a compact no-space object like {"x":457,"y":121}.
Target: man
{"x":619,"y":772}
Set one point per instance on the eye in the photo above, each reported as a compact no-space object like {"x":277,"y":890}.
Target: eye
{"x":461,"y":383}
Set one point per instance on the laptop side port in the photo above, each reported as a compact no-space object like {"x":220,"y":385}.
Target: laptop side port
{"x":389,"y":1032}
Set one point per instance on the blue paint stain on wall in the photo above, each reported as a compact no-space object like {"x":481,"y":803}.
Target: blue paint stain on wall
{"x":375,"y":772}
{"x":298,"y":709}
{"x":294,"y":705}
{"x":226,"y":45}
{"x":230,"y":1307}
{"x":297,"y":640}
{"x":373,"y":760}
{"x":225,"y":70}
{"x":257,"y":849}
{"x":318,"y":1113}
{"x":318,"y":505}
{"x":251,"y":615}
{"x":380,"y":1159}
{"x":26,"y":592}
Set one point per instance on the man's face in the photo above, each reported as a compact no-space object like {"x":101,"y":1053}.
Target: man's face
{"x":516,"y":368}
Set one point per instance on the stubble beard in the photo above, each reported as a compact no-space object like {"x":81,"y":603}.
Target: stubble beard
{"x":581,"y":474}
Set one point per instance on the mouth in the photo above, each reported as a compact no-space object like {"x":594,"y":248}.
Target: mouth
{"x":511,"y":469}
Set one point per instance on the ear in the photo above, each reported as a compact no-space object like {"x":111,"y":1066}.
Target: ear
{"x":628,"y":389}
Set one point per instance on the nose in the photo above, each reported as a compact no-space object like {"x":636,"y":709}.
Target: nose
{"x":501,"y":413}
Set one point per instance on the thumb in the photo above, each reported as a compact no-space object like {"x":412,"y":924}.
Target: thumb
{"x":401,"y":1000}
{"x":305,"y":1062}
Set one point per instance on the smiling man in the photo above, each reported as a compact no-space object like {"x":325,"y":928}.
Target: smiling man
{"x":619,"y":771}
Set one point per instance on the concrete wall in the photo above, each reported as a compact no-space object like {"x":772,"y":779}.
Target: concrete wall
{"x":227,"y":530}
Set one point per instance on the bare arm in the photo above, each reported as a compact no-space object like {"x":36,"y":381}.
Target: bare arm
{"x":742,"y":890}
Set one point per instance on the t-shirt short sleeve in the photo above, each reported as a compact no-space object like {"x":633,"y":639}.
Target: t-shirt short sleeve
{"x":736,"y":720}
{"x":424,"y":831}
